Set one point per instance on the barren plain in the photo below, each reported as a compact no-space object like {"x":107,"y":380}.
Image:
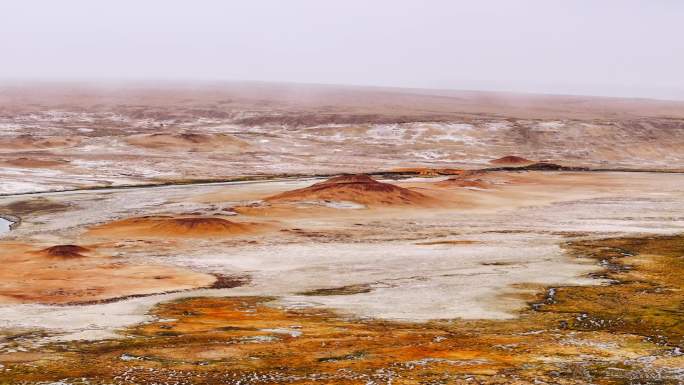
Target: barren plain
{"x":248,"y":233}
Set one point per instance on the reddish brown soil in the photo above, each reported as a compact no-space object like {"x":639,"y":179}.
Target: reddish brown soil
{"x":476,"y":179}
{"x":33,"y":207}
{"x":188,"y":141}
{"x":66,"y":274}
{"x":34,"y":163}
{"x":199,"y":225}
{"x":511,"y":160}
{"x":30,"y":142}
{"x":355,"y":188}
{"x":156,"y":227}
{"x":65,"y":251}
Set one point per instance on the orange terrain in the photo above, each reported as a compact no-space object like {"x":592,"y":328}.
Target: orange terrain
{"x":511,"y":160}
{"x":361,"y":189}
{"x":162,"y":226}
{"x":66,"y":274}
{"x":188,"y":141}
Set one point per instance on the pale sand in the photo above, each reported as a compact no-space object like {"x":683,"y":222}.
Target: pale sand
{"x":520,"y":224}
{"x":56,"y":137}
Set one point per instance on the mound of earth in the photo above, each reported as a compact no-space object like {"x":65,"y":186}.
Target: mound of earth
{"x":511,"y":160}
{"x":188,"y":142}
{"x":33,"y":207}
{"x":541,"y":166}
{"x":59,"y":275}
{"x":157,"y":227}
{"x":546,"y":166}
{"x":467,"y":179}
{"x":34,"y":163}
{"x":359,"y":188}
{"x":65,"y":251}
{"x":30,"y":142}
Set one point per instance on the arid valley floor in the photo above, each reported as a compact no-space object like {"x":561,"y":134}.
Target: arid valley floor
{"x":250,"y":233}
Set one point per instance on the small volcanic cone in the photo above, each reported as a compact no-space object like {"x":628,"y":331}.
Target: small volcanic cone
{"x":348,"y":179}
{"x":65,"y":251}
{"x":360,"y":188}
{"x":35,"y":163}
{"x":467,"y":179}
{"x":198,"y":226}
{"x":547,"y":166}
{"x":159,"y":227}
{"x":511,"y":160}
{"x":71,"y":274}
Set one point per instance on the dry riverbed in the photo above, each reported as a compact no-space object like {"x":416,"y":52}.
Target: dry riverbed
{"x":494,"y":277}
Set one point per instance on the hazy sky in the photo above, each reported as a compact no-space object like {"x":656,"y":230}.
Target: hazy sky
{"x":600,"y":47}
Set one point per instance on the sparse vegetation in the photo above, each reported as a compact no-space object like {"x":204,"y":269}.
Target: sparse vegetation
{"x":594,"y":334}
